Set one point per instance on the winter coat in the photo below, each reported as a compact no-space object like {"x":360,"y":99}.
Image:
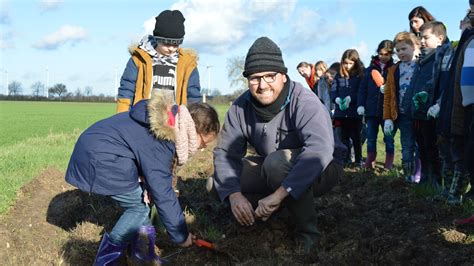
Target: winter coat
{"x":457,"y":115}
{"x":443,"y":59}
{"x":324,"y":93}
{"x":422,"y":80}
{"x":109,"y":157}
{"x":369,"y":95}
{"x":342,"y":87}
{"x":303,"y":123}
{"x":136,"y":81}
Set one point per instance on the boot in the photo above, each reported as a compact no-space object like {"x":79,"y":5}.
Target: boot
{"x":388,"y":161}
{"x":456,"y":189}
{"x":418,"y":169}
{"x":143,"y":247}
{"x":447,"y":181}
{"x":408,"y":168}
{"x":303,"y":211}
{"x":370,"y":160}
{"x":108,"y":253}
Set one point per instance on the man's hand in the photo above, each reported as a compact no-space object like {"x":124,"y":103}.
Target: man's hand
{"x":189,"y":241}
{"x":361,"y":110}
{"x":270,"y":204}
{"x":242,"y":209}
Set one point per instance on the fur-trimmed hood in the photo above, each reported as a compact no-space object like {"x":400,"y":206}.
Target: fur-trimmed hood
{"x":154,"y":114}
{"x":168,"y":122}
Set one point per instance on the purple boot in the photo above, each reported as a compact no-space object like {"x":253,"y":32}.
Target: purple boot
{"x":417,"y":176}
{"x":108,"y":253}
{"x":389,"y":161}
{"x":370,"y":160}
{"x":143,"y":247}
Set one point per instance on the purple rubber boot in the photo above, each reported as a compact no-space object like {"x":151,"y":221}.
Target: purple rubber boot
{"x":370,"y":160}
{"x":143,"y":247}
{"x":417,"y":175}
{"x":389,"y":161}
{"x":108,"y":253}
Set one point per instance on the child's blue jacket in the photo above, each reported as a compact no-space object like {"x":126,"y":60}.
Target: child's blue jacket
{"x":110,"y":156}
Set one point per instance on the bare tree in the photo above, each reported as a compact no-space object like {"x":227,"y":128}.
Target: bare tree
{"x":235,"y":67}
{"x":88,"y":91}
{"x":15,"y":88}
{"x":78,"y":93}
{"x":37,"y":89}
{"x":58,"y":89}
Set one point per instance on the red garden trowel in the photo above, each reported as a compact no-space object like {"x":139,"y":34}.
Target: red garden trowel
{"x":205,"y":244}
{"x":466,"y":221}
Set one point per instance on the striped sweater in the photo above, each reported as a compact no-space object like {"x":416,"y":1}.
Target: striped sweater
{"x":467,"y":74}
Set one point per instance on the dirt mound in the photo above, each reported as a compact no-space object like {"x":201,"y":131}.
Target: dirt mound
{"x":367,"y":219}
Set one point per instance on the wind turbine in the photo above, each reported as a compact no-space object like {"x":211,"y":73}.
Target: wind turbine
{"x":204,"y":96}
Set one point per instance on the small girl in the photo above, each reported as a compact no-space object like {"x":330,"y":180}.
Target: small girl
{"x":344,"y":91}
{"x":370,"y":103}
{"x":109,"y":157}
{"x":319,"y":69}
{"x":396,"y":103}
{"x":324,"y":86}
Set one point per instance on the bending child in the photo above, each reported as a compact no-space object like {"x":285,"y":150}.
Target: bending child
{"x":110,"y":155}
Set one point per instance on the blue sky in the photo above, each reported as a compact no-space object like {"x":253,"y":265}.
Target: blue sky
{"x":85,"y":43}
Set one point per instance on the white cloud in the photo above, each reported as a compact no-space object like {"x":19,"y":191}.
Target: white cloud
{"x":66,"y":34}
{"x":364,"y":52}
{"x":214,"y":26}
{"x":47,"y":5}
{"x":310,"y":30}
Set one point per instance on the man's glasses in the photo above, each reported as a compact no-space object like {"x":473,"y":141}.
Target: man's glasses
{"x":268,"y":78}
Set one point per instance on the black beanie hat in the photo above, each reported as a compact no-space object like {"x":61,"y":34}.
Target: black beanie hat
{"x":169,"y":27}
{"x":264,"y":55}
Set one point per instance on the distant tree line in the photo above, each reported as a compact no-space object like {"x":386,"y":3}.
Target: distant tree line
{"x":59,"y":92}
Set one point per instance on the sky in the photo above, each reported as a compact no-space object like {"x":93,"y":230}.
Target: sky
{"x":82,"y":43}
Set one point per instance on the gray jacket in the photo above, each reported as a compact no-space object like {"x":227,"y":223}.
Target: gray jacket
{"x":304,"y":122}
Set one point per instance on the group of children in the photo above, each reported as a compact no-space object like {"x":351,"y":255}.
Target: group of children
{"x":425,"y":95}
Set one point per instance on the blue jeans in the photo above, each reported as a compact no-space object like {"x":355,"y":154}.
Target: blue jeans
{"x":407,"y":138}
{"x":373,"y":124}
{"x":135,"y":215}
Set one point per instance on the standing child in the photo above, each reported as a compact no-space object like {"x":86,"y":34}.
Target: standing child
{"x":319,"y":69}
{"x":344,"y":90}
{"x":370,"y":102}
{"x":324,"y":86}
{"x":396,"y":104}
{"x":109,"y":157}
{"x":424,"y":106}
{"x":158,"y":63}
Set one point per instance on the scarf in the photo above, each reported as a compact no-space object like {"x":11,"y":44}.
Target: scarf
{"x":268,"y":112}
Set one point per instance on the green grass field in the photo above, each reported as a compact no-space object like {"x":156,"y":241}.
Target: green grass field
{"x":37,"y":135}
